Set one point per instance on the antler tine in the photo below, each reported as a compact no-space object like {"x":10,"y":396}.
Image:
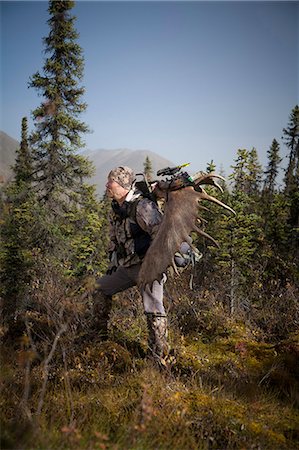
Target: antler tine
{"x":210,"y":182}
{"x":204,"y":208}
{"x":207,"y":178}
{"x":200,"y":220}
{"x":204,"y":196}
{"x":206,"y":235}
{"x":218,"y":186}
{"x":216,"y":175}
{"x":203,"y":177}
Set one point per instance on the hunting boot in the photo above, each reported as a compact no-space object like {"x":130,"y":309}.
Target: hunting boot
{"x":157,"y":339}
{"x":101,"y":312}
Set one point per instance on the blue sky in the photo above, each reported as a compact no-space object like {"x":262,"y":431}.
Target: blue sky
{"x":191,"y":81}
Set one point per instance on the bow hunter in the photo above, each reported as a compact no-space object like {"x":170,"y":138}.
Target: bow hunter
{"x":144,"y":241}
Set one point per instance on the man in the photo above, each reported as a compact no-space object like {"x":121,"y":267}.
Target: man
{"x":134,"y":221}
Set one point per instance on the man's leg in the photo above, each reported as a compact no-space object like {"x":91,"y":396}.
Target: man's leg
{"x":158,"y":333}
{"x":107,"y":286}
{"x":101,"y":312}
{"x":156,"y":320}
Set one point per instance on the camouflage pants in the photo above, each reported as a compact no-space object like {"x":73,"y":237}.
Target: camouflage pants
{"x":120,"y":280}
{"x":158,"y":333}
{"x":126,"y":277}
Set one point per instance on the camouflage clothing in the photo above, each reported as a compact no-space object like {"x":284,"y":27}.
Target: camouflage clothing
{"x":132,"y":227}
{"x":123,"y":175}
{"x":157,"y":330}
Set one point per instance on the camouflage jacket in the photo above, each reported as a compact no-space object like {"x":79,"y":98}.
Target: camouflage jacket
{"x":132,"y":228}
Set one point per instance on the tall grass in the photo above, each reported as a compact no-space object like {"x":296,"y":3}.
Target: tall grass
{"x":226,"y":387}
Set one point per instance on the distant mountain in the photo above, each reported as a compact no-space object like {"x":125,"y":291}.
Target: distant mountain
{"x":8,"y":147}
{"x":105,"y":160}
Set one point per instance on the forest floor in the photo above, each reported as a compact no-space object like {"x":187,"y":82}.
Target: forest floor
{"x":223,"y":388}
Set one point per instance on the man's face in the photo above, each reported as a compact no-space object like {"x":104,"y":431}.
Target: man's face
{"x":115,"y":190}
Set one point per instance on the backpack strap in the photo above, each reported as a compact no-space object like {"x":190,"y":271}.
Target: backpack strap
{"x":132,"y":209}
{"x":144,"y":188}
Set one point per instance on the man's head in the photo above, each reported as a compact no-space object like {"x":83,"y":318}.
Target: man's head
{"x":119,"y":182}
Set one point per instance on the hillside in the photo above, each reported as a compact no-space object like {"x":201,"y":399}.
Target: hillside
{"x":225,"y":387}
{"x":8,"y":147}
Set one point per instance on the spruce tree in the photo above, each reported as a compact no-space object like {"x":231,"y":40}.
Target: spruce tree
{"x":254,"y":175}
{"x":68,"y":203}
{"x":291,"y":138}
{"x":274,"y":204}
{"x":87,"y":231}
{"x":272,"y":170}
{"x":241,"y":236}
{"x":23,"y":163}
{"x":16,"y":229}
{"x":148,"y":169}
{"x":211,"y":167}
{"x":239,"y":175}
{"x":57,"y":136}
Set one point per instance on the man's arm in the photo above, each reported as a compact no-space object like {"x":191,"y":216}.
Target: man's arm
{"x":148,"y":216}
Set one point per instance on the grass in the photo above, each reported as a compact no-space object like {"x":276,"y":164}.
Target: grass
{"x":226,"y":389}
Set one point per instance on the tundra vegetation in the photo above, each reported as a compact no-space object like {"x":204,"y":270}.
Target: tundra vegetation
{"x":232,"y":380}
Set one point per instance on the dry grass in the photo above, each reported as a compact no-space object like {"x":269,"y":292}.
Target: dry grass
{"x":227,"y":389}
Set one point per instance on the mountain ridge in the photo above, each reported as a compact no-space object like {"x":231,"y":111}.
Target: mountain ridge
{"x":8,"y":147}
{"x":103,"y":160}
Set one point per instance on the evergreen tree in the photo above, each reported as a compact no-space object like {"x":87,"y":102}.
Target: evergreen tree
{"x":254,"y":170}
{"x":239,"y":175}
{"x":274,"y":205}
{"x":18,"y":223}
{"x":211,"y":167}
{"x":272,"y":169}
{"x":247,"y":172}
{"x":148,"y":169}
{"x":239,"y":259}
{"x":23,"y":164}
{"x":58,"y":170}
{"x":291,"y":138}
{"x":87,"y":232}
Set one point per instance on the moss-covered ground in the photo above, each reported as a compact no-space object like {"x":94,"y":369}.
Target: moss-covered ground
{"x":223,"y":388}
